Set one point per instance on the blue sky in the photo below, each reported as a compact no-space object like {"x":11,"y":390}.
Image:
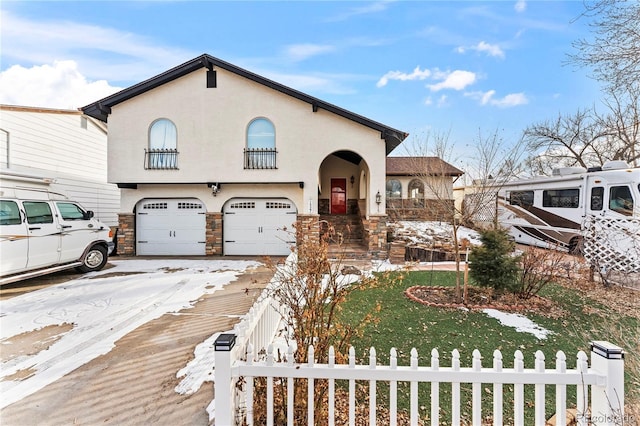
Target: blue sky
{"x":418,"y":66}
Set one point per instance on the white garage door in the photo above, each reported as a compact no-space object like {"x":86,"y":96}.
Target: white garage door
{"x":171,"y":227}
{"x":257,"y":226}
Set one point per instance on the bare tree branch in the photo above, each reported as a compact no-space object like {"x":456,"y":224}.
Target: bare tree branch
{"x":587,"y":138}
{"x":613,"y":53}
{"x":494,"y":164}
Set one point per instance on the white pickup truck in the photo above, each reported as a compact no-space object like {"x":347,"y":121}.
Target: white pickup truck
{"x":43,"y":232}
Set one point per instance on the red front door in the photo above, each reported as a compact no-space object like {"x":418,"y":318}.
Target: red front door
{"x":338,"y":196}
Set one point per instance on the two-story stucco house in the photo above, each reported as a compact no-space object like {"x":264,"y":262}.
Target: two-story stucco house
{"x":214,"y":159}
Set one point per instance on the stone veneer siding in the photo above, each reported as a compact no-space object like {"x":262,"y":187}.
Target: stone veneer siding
{"x":375,"y":236}
{"x":439,"y":210}
{"x":126,"y":234}
{"x":213,"y":234}
{"x":309,"y":226}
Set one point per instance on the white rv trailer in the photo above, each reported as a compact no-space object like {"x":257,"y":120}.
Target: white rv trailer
{"x":551,"y":211}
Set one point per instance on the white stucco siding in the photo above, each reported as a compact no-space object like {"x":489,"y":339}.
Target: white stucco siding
{"x":129,"y":197}
{"x":334,"y":167}
{"x":211,"y":126}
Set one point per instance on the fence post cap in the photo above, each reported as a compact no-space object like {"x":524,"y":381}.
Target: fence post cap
{"x":225,"y":342}
{"x":607,"y":350}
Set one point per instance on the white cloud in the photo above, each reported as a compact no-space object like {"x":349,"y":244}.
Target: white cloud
{"x":456,"y":80}
{"x":510,"y":100}
{"x":27,"y":41}
{"x":486,"y":97}
{"x":484,"y":47}
{"x":417,"y":74}
{"x":60,"y":85}
{"x":442,"y":101}
{"x":520,"y":6}
{"x":300,"y":52}
{"x":374,"y":7}
{"x":491,"y":49}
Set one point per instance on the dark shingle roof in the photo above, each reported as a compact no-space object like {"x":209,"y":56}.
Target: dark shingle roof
{"x":420,"y":166}
{"x":102,"y":108}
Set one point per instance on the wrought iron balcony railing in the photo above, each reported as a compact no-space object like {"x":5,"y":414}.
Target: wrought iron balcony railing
{"x":161,"y":159}
{"x":260,"y":158}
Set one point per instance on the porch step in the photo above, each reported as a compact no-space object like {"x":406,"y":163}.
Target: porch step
{"x":348,"y":251}
{"x":344,"y":228}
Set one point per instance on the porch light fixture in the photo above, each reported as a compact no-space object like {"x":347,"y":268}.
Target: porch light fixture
{"x":352,"y":180}
{"x":215,"y":187}
{"x":378,"y":198}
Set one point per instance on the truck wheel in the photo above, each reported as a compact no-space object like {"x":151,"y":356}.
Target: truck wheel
{"x":94,"y":260}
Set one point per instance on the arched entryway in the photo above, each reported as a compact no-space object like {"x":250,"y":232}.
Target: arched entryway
{"x":342,"y":197}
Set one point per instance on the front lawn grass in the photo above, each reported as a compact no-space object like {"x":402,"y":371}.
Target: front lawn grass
{"x":404,"y":324}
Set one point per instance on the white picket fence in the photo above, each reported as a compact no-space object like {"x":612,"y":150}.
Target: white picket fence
{"x":602,"y":385}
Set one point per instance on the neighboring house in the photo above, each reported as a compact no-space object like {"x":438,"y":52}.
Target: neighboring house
{"x":214,"y":159}
{"x":420,"y":188}
{"x":58,"y":150}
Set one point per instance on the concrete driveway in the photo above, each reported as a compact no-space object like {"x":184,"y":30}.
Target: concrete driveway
{"x":106,"y":347}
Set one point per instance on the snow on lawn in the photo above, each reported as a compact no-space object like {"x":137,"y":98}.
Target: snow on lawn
{"x":103,"y":307}
{"x":519,"y":322}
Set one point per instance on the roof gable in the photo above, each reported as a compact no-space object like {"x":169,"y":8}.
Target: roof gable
{"x":102,"y":108}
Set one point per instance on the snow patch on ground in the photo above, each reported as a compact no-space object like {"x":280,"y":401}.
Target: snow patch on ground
{"x":103,"y":306}
{"x":426,"y":232}
{"x":519,"y":322}
{"x":199,"y":369}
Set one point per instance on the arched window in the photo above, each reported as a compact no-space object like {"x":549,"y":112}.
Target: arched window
{"x":162,"y":152}
{"x":261,"y":145}
{"x":261,"y":134}
{"x":394,"y":189}
{"x":416,"y":192}
{"x":163,"y":134}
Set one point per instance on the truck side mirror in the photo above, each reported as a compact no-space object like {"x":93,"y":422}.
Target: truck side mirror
{"x":88,"y":214}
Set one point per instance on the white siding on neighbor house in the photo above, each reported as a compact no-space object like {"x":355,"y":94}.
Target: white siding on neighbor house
{"x":103,"y":199}
{"x":4,"y":148}
{"x":56,"y":145}
{"x":55,"y":141}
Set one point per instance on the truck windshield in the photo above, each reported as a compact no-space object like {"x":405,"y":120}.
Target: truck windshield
{"x":620,"y":200}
